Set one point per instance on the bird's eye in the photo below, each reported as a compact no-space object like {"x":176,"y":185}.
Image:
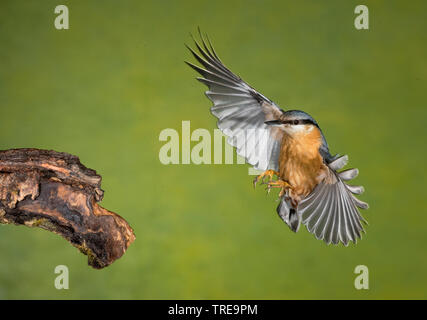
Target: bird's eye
{"x":296,"y":121}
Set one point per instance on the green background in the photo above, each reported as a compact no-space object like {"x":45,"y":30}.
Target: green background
{"x":105,"y":88}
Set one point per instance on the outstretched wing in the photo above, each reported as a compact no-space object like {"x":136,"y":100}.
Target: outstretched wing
{"x":331,"y":212}
{"x":240,"y":109}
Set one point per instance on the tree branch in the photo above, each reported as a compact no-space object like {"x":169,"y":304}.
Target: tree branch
{"x":54,"y":191}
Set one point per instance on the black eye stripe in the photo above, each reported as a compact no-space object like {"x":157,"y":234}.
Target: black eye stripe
{"x":295,"y":122}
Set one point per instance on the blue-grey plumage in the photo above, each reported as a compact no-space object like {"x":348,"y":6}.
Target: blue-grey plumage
{"x":287,"y":144}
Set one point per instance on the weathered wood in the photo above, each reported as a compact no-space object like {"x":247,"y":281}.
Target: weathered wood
{"x":54,"y":191}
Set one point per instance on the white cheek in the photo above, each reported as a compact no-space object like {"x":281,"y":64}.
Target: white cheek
{"x":293,"y":129}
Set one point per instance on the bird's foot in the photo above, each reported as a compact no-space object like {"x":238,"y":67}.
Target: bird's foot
{"x":262,"y":177}
{"x":284,"y":185}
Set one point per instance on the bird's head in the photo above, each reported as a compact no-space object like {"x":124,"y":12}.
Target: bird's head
{"x":295,"y":122}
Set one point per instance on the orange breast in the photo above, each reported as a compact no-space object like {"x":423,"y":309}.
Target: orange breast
{"x":300,"y":163}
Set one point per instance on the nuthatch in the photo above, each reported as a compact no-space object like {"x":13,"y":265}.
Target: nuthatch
{"x":312,"y":190}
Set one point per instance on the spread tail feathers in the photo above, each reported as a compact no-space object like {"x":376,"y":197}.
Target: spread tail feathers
{"x":289,"y":214}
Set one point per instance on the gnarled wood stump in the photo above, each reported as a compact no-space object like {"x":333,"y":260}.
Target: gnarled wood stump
{"x":54,"y":191}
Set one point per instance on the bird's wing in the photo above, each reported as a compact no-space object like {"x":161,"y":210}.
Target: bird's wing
{"x":240,"y":109}
{"x":330,"y":211}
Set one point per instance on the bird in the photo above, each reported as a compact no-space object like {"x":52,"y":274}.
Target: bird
{"x":290,"y":150}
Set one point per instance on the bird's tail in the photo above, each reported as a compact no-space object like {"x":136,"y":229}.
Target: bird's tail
{"x":289,"y":214}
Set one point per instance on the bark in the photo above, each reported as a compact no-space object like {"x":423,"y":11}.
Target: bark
{"x":54,"y":191}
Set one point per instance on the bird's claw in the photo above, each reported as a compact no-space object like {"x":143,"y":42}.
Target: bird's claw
{"x":262,"y":176}
{"x":284,"y":185}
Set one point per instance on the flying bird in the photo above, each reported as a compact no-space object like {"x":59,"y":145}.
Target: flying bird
{"x":288,"y":145}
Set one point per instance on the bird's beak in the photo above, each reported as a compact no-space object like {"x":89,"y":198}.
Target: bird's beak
{"x":273,"y":123}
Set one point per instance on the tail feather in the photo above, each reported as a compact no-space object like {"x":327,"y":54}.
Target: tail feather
{"x":289,"y":215}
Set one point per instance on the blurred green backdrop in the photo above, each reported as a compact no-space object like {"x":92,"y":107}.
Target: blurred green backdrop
{"x":105,"y":88}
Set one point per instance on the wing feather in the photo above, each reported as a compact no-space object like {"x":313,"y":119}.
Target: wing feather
{"x":327,"y":231}
{"x":331,"y":212}
{"x":239,"y":109}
